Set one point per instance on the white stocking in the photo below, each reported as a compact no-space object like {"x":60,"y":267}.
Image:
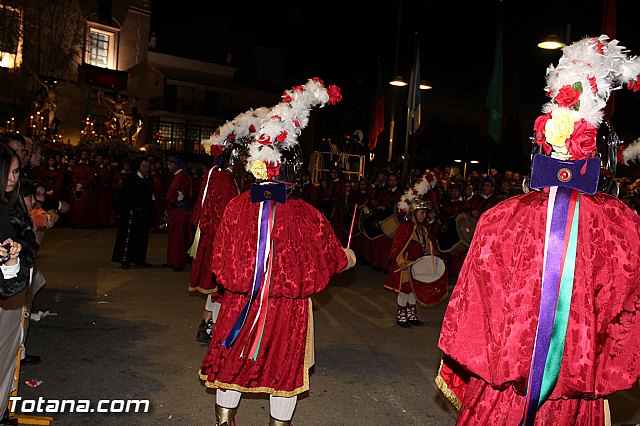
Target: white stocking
{"x":411,"y":299}
{"x":403,"y":298}
{"x":282,"y":408}
{"x":228,"y":398}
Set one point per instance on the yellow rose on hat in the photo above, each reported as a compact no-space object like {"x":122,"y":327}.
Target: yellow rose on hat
{"x":559,"y":128}
{"x":259,"y":170}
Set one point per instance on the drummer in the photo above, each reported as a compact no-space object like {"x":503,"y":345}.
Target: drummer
{"x":453,"y":205}
{"x":412,"y":241}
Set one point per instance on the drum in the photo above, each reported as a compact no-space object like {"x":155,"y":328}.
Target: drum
{"x":390,"y":225}
{"x":369,"y":225}
{"x":448,"y":239}
{"x":466,"y":226}
{"x":429,"y":280}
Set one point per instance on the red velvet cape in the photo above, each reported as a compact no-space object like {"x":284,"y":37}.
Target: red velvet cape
{"x":222,"y":188}
{"x":307,"y":254}
{"x":490,"y":324}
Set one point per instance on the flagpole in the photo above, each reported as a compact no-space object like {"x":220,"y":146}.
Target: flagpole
{"x":392,"y":126}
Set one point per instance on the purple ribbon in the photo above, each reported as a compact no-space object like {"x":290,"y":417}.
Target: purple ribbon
{"x":257,"y":275}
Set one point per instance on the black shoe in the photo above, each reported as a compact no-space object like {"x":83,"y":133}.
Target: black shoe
{"x":403,"y":324}
{"x":204,"y":331}
{"x":416,"y":322}
{"x":31,"y":359}
{"x":125,"y":266}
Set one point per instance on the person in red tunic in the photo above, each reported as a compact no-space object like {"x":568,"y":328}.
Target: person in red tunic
{"x":388,"y":198}
{"x":82,"y":178}
{"x":215,"y":194}
{"x":544,"y":321}
{"x":271,"y":253}
{"x":51,"y":178}
{"x":102,"y":192}
{"x":363,"y":197}
{"x":483,"y":200}
{"x":179,"y":214}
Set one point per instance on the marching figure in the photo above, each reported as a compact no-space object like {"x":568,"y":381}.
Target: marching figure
{"x":413,"y":249}
{"x":220,"y":188}
{"x":544,"y":321}
{"x":271,"y":253}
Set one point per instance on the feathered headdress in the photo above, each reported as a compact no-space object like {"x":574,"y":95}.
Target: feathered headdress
{"x":284,"y":123}
{"x":239,"y":130}
{"x":579,"y":88}
{"x":422,"y":185}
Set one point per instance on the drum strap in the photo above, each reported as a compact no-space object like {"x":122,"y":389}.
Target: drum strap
{"x":561,"y":241}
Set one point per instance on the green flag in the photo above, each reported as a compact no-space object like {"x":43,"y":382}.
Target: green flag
{"x":494,"y":96}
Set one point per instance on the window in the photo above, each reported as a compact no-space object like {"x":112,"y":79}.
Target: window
{"x":10,"y":37}
{"x":101,"y":47}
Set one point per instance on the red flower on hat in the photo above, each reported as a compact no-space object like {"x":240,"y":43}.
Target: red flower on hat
{"x":272,"y":170}
{"x":282,"y":136}
{"x":252,"y":128}
{"x":299,"y":88}
{"x":296,"y":122}
{"x":286,"y":97}
{"x":264,"y":140}
{"x":600,"y":48}
{"x":582,"y":141}
{"x":318,"y":79}
{"x":334,"y":94}
{"x":567,"y":96}
{"x":593,"y":84}
{"x":215,"y":150}
{"x":276,"y":116}
{"x":231,"y":137}
{"x":538,"y":128}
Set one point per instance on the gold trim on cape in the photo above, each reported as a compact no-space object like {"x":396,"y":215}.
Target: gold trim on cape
{"x":444,"y":388}
{"x":287,"y":394}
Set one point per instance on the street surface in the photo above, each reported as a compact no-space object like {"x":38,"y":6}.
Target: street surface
{"x":130,"y":334}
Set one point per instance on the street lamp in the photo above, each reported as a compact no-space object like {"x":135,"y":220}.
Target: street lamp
{"x":398,"y":81}
{"x":552,"y":42}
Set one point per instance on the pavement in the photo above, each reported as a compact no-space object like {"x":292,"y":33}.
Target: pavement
{"x":130,"y":334}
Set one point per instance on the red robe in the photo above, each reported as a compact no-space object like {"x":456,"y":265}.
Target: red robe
{"x":381,"y":246}
{"x":221,"y":189}
{"x":490,"y":324}
{"x":103,"y":196}
{"x":307,"y":255}
{"x":82,"y":201}
{"x":179,"y":220}
{"x":51,"y":178}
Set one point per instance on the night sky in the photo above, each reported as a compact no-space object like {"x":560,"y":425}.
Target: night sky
{"x":341,"y":41}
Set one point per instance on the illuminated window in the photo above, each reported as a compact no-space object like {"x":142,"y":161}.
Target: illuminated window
{"x":101,"y":47}
{"x":10,"y":37}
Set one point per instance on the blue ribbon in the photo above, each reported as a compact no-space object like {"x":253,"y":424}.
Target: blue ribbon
{"x":258,"y":274}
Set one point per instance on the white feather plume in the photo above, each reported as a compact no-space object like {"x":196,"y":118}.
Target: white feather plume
{"x":631,"y":152}
{"x":284,"y":122}
{"x":421,"y":187}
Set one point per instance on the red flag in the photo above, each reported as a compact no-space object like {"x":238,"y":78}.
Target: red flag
{"x":377,"y":123}
{"x":609,"y":28}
